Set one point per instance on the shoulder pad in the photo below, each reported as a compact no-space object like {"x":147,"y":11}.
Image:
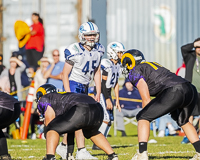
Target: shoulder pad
{"x":73,"y":49}
{"x":106,"y":63}
{"x":100,"y":47}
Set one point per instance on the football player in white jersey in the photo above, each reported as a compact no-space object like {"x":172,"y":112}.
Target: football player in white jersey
{"x":82,"y":62}
{"x":110,"y":70}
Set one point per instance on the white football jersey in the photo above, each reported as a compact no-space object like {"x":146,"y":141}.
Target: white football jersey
{"x":113,"y":70}
{"x":85,"y":62}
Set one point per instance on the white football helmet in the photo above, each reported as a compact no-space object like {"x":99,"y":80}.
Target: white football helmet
{"x":113,"y":48}
{"x":88,"y":28}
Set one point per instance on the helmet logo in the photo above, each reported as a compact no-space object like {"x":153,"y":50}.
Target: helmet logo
{"x":114,"y":45}
{"x":128,"y":55}
{"x":41,"y":89}
{"x":81,"y":29}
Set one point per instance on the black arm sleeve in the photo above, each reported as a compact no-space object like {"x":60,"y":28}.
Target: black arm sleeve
{"x":187,"y":51}
{"x":104,"y":73}
{"x":69,"y":62}
{"x":104,"y":89}
{"x":189,"y":57}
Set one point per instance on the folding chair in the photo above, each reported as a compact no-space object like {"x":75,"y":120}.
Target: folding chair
{"x":132,"y":120}
{"x":127,"y":120}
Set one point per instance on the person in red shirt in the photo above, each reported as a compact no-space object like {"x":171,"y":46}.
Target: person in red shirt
{"x":35,"y":45}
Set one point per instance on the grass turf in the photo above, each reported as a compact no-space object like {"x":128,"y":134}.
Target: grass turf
{"x":169,"y":147}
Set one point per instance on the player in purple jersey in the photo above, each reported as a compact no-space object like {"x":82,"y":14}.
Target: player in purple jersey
{"x":9,"y":112}
{"x":172,"y":93}
{"x":67,"y":113}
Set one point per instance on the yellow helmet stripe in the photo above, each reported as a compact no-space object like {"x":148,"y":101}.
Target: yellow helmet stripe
{"x":131,"y":58}
{"x":41,"y":89}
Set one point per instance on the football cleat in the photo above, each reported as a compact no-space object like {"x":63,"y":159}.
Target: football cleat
{"x":83,"y":154}
{"x":53,"y":158}
{"x":6,"y":157}
{"x":61,"y":150}
{"x":113,"y":157}
{"x":196,"y":156}
{"x":141,"y":156}
{"x":185,"y":140}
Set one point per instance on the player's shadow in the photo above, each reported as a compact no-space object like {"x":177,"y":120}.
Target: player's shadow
{"x":167,"y":157}
{"x":135,"y":135}
{"x":100,"y":154}
{"x":114,"y":147}
{"x":123,"y":146}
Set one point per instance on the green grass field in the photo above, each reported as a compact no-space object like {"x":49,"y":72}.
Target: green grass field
{"x":169,"y":147}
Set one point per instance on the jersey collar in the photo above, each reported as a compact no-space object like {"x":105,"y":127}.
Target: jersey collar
{"x":80,"y":45}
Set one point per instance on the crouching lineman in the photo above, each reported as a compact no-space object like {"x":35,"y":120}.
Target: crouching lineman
{"x":172,"y":93}
{"x":9,"y":112}
{"x":66,"y":113}
{"x":110,"y":70}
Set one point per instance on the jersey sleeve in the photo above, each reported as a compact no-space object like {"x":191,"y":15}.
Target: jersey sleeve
{"x":105,"y":65}
{"x":72,"y":53}
{"x":134,"y":76}
{"x":101,"y":49}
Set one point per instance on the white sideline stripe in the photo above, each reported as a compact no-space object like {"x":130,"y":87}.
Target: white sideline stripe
{"x":29,"y":157}
{"x":20,"y":146}
{"x":29,"y":149}
{"x":173,"y":152}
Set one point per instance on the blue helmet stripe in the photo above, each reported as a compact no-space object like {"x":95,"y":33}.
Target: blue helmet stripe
{"x":91,"y":25}
{"x":122,"y":45}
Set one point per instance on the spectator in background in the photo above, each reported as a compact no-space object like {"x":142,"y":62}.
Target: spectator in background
{"x":12,"y":81}
{"x":14,"y":76}
{"x":24,"y":77}
{"x":39,"y":80}
{"x":2,"y":67}
{"x":35,"y":45}
{"x":167,"y":121}
{"x":191,"y":57}
{"x":129,"y":108}
{"x":53,"y":74}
